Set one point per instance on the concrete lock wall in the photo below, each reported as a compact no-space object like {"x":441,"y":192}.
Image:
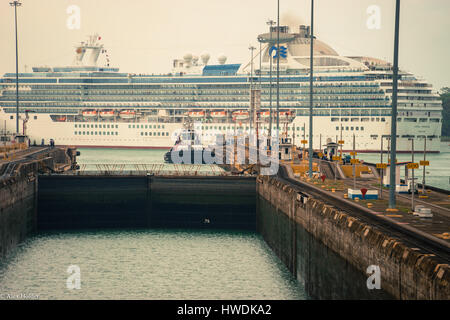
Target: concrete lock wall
{"x":146,"y":201}
{"x":17,"y":212}
{"x":405,"y":274}
{"x":322,"y":272}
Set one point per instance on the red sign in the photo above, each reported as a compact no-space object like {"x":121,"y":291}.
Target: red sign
{"x":363,"y":192}
{"x":323,"y":177}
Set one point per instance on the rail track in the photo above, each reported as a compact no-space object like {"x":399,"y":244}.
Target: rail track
{"x":410,"y":236}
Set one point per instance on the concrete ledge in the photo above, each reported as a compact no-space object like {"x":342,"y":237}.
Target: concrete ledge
{"x":405,"y":273}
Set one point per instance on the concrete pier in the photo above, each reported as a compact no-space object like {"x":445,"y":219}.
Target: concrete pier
{"x":18,"y":191}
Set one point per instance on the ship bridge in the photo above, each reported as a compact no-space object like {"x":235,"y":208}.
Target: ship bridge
{"x":295,"y":52}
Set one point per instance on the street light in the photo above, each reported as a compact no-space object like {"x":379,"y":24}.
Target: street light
{"x":278,"y":69}
{"x":392,"y":173}
{"x":16,"y":4}
{"x":310,"y":151}
{"x":270,"y":23}
{"x":251,"y":48}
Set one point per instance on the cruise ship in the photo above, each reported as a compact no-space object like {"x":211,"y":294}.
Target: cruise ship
{"x":87,"y":105}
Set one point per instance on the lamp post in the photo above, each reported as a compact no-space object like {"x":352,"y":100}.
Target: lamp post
{"x":310,"y":151}
{"x":16,"y":4}
{"x":278,"y":70}
{"x":251,"y":48}
{"x":270,"y":23}
{"x":392,"y":173}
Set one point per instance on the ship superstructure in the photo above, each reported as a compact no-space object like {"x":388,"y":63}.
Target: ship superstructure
{"x":87,"y":105}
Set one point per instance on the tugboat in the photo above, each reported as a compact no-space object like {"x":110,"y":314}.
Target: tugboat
{"x":187,"y":142}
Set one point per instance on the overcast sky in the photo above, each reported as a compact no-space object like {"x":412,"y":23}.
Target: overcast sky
{"x":144,"y":36}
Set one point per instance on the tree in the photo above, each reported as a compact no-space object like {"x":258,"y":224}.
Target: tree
{"x":445,"y":96}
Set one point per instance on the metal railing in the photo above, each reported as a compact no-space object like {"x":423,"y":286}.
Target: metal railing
{"x":149,"y":169}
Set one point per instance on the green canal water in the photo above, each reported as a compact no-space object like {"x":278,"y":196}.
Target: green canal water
{"x":148,"y":264}
{"x":437,"y":174}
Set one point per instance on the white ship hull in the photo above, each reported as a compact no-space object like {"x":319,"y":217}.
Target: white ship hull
{"x":163,"y":135}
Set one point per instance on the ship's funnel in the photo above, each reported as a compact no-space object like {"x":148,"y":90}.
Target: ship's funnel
{"x":95,"y":48}
{"x":93,"y":57}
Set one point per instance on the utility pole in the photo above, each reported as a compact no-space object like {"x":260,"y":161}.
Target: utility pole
{"x":257,"y":112}
{"x":354,"y":164}
{"x":381,"y":174}
{"x":251,"y":111}
{"x":278,"y":70}
{"x":16,"y":4}
{"x":260,"y":61}
{"x":320,"y":142}
{"x":270,"y":23}
{"x":412,"y":178}
{"x":424,"y":160}
{"x":392,"y":173}
{"x":304,"y":138}
{"x":310,"y":152}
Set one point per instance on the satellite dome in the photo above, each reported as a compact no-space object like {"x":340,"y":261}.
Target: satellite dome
{"x":222,"y":59}
{"x":187,"y":57}
{"x":205,"y":58}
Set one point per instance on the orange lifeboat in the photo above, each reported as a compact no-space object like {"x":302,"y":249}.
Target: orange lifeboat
{"x":265,"y":114}
{"x":127,"y":114}
{"x":107,"y":113}
{"x":240,"y":115}
{"x":196,"y":114}
{"x":89,"y":113}
{"x":286,"y":113}
{"x":61,"y":118}
{"x":218,"y":114}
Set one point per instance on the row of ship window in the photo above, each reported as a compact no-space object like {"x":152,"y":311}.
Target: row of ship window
{"x":420,"y":119}
{"x":134,"y":126}
{"x":244,"y":91}
{"x":115,"y":133}
{"x":320,"y":109}
{"x":150,"y":133}
{"x":408,"y":136}
{"x":246,"y":128}
{"x":357,"y":119}
{"x":105,"y":126}
{"x":142,"y":126}
{"x":100,"y":133}
{"x":351,"y":128}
